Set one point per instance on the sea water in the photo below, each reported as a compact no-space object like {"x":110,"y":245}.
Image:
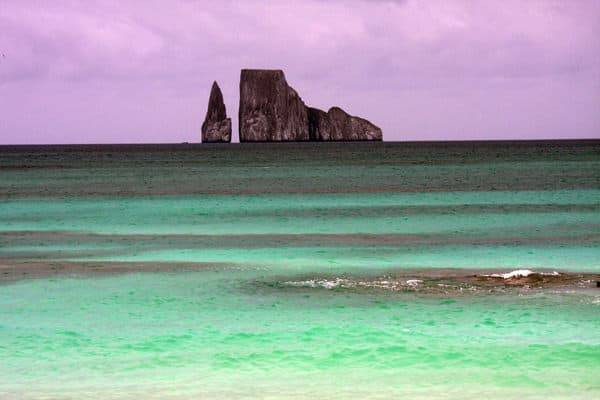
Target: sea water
{"x":298,"y":270}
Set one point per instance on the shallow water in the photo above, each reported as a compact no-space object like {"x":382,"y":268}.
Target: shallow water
{"x":282,"y":271}
{"x":225,"y":333}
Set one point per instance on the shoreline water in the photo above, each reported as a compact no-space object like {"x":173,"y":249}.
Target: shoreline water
{"x":329,"y":270}
{"x":241,"y":334}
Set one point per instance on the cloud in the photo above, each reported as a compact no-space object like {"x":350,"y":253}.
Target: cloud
{"x":451,"y":60}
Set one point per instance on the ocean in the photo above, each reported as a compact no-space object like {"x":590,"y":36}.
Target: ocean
{"x":297,"y":270}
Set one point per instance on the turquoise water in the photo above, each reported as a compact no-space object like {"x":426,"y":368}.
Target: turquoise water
{"x":221,"y":333}
{"x":247,"y":244}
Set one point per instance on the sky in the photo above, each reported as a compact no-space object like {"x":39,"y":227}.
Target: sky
{"x":140,"y":71}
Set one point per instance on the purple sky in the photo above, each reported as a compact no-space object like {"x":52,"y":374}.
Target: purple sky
{"x":140,"y":71}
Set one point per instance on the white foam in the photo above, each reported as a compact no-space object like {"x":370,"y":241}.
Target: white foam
{"x":521,"y":273}
{"x":331,"y":284}
{"x":346,"y":283}
{"x":324,"y":283}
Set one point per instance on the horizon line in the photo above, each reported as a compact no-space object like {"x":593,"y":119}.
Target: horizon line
{"x":587,"y":139}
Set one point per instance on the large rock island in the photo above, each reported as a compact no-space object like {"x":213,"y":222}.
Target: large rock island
{"x":272,"y":111}
{"x":216,"y":127}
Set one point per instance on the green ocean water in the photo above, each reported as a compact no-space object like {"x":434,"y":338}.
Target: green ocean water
{"x":234,"y":254}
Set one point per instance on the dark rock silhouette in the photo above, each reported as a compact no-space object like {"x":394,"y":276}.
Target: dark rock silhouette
{"x":319,"y":125}
{"x":216,"y":126}
{"x":338,"y":125}
{"x":270,"y":110}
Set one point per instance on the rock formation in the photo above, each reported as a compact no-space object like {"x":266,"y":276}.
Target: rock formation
{"x":270,"y":110}
{"x":216,"y":126}
{"x":337,"y":125}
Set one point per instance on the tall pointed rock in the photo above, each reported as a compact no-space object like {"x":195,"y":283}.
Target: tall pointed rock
{"x":216,"y":127}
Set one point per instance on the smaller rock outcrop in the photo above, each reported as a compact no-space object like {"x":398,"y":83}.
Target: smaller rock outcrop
{"x":216,"y":127}
{"x":338,"y":125}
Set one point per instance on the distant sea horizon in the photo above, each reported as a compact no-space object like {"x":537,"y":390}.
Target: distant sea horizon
{"x":324,"y":142}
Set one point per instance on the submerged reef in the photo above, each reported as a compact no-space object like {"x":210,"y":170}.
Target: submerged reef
{"x":443,"y":282}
